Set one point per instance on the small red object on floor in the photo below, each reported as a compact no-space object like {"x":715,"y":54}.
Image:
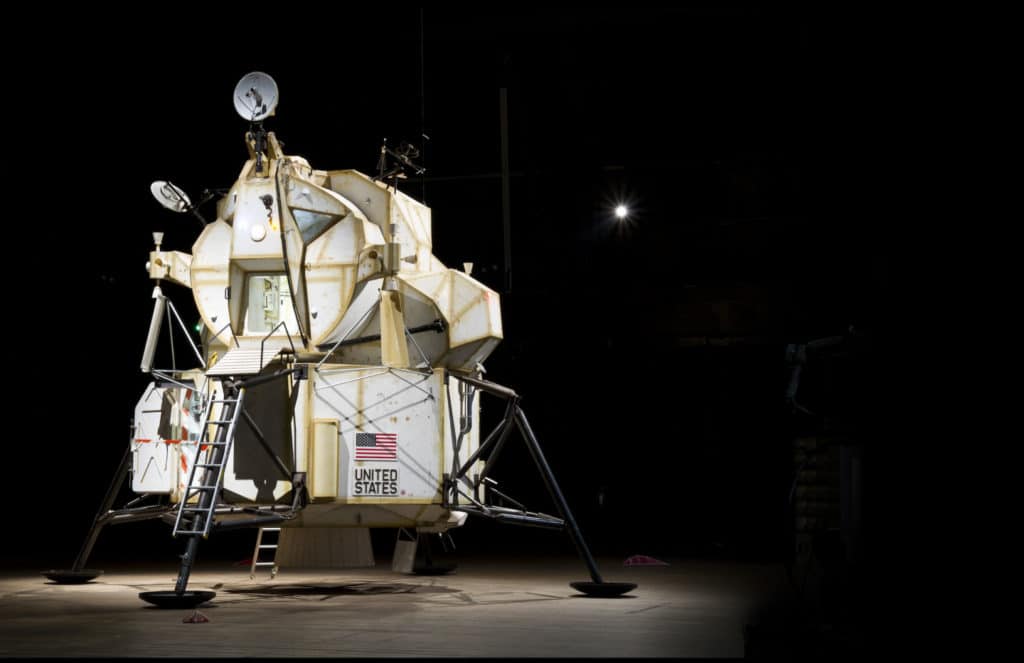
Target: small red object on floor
{"x":643,"y":560}
{"x":195,"y":618}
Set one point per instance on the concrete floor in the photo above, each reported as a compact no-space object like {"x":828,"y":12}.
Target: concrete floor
{"x":489,"y":607}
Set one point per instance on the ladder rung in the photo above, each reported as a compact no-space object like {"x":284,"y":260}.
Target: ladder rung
{"x":190,"y":531}
{"x":226,"y":400}
{"x":220,"y":421}
{"x":271,"y":529}
{"x":198,"y":508}
{"x":264,"y":563}
{"x":265,"y":547}
{"x":201,"y":487}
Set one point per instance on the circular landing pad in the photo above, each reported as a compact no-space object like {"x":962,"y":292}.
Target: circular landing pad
{"x":603,"y":589}
{"x":172,"y":599}
{"x":434,"y":569}
{"x":69,"y":577}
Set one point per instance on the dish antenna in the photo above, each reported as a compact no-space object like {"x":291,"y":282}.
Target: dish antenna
{"x":256,"y":96}
{"x":170,"y":196}
{"x":173,"y":198}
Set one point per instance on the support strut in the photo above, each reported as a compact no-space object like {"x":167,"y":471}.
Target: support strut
{"x":78,"y":574}
{"x":493,"y":444}
{"x":556,"y":494}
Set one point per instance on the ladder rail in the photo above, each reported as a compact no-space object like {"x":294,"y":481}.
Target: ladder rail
{"x":265,"y":546}
{"x":212,"y":478}
{"x":203,"y":435}
{"x":225,"y":451}
{"x":197,"y":490}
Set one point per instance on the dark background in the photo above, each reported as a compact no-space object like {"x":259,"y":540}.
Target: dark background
{"x":650,"y":353}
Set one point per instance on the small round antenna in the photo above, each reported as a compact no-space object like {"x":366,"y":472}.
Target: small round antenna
{"x":170,"y":196}
{"x":256,"y":96}
{"x":176,"y":200}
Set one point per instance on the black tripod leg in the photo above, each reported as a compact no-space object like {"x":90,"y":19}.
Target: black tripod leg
{"x":77,"y":575}
{"x":98,"y":522}
{"x":556,"y":493}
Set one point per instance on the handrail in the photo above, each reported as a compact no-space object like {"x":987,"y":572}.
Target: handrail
{"x":235,"y":338}
{"x":271,"y":333}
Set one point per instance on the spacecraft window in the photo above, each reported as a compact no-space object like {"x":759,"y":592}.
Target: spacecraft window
{"x":269,"y":301}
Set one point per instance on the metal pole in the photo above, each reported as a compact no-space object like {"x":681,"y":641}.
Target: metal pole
{"x":502,"y":430}
{"x":170,"y":341}
{"x":556,"y":493}
{"x":154,"y":330}
{"x":188,"y":336}
{"x":423,"y":123}
{"x":507,"y":423}
{"x":281,"y":467}
{"x":506,"y":215}
{"x":134,"y":515}
{"x":186,"y":564}
{"x":108,"y":501}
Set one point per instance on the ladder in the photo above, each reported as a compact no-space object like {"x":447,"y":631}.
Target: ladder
{"x":196,"y":519}
{"x":260,"y":546}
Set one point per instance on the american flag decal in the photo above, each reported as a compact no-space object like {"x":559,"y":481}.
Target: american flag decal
{"x":376,"y":446}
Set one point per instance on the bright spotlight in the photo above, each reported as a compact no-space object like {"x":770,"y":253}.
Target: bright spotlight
{"x":621,"y":211}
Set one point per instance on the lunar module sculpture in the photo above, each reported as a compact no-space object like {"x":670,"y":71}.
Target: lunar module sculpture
{"x":338,"y":372}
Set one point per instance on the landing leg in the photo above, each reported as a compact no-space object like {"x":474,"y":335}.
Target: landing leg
{"x":180,"y":598}
{"x":77,"y":574}
{"x":598,"y":587}
{"x":186,"y":564}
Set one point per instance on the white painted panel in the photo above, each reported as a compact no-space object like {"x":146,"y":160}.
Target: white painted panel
{"x":377,"y":402}
{"x":209,"y":276}
{"x":323,"y":479}
{"x":152,"y":469}
{"x":156,"y":453}
{"x":250,"y":212}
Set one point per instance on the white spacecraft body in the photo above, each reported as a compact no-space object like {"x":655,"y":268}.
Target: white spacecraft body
{"x":337,"y":356}
{"x":330,"y":274}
